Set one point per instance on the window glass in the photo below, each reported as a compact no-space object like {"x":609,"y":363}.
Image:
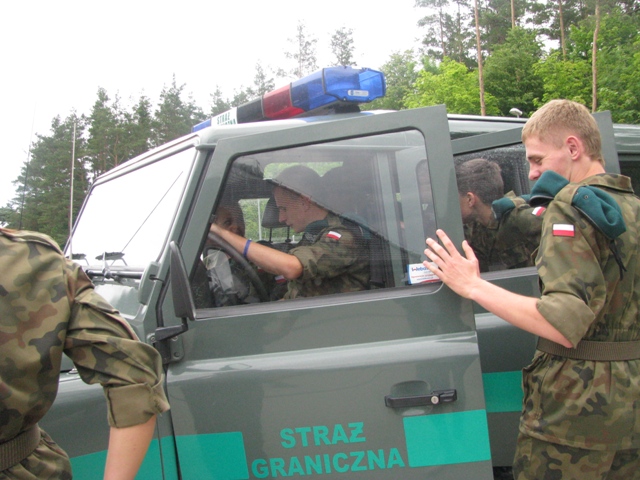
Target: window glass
{"x":129,"y":217}
{"x":501,"y":227}
{"x":354,"y":213}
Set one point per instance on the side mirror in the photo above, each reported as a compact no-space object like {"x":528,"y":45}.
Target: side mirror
{"x":183,"y":303}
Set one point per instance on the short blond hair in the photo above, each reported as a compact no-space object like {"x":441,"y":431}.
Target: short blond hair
{"x":558,"y":118}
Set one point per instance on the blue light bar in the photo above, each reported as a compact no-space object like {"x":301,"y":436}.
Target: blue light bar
{"x":342,"y":84}
{"x":325,"y":91}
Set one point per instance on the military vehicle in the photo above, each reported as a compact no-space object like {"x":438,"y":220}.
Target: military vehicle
{"x":403,"y":379}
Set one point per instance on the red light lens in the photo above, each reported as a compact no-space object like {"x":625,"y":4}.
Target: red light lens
{"x":277,"y":104}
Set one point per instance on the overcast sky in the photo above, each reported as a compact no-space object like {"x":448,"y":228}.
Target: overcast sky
{"x":57,"y":53}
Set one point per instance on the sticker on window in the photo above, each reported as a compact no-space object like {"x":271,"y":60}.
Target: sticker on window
{"x":418,"y":273}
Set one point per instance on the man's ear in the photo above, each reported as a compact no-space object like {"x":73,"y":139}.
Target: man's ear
{"x":575,"y":147}
{"x":471,"y":199}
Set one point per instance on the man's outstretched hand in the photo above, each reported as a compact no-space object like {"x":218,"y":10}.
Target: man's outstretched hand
{"x":459,"y":273}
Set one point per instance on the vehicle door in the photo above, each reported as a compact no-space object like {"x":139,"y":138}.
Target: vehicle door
{"x":504,"y":349}
{"x":378,"y":383}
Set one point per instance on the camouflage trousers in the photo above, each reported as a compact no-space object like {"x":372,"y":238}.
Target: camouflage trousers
{"x":539,"y":460}
{"x":48,"y":461}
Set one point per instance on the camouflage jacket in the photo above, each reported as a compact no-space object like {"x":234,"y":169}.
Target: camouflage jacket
{"x":510,"y":240}
{"x":580,"y":403}
{"x":335,"y":259}
{"x":48,"y":306}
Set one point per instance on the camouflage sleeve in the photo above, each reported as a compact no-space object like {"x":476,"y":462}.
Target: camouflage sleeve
{"x":105,"y":350}
{"x":330,"y":256}
{"x":572,"y":283}
{"x":527,"y":220}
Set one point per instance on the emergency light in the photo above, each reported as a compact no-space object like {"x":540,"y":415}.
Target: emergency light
{"x":328,"y":89}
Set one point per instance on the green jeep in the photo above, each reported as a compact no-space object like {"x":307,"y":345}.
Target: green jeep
{"x":403,"y":379}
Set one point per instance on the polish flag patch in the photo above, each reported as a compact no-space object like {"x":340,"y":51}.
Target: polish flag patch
{"x":280,"y":279}
{"x":563,"y":230}
{"x":538,"y":211}
{"x":334,"y":235}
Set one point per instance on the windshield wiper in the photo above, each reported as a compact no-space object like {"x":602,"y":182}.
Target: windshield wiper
{"x":106,"y":271}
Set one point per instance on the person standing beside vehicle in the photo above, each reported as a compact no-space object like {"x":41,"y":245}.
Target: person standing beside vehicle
{"x":48,"y":306}
{"x":503,"y":230}
{"x":580,"y":415}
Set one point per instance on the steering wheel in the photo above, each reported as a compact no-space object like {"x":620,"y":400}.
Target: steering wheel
{"x":226,"y":247}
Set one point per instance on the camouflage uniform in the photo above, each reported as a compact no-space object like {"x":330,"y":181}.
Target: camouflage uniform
{"x":335,"y":259}
{"x":48,"y":306}
{"x":511,"y":238}
{"x":580,"y":415}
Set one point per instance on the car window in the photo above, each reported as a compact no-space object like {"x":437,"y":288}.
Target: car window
{"x":376,"y":194}
{"x":509,"y":235}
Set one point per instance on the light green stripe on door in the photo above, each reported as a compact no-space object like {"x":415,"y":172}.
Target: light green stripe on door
{"x":503,"y":391}
{"x":449,"y":438}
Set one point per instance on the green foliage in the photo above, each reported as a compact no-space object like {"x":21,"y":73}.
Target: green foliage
{"x":618,"y":63}
{"x":303,"y":52}
{"x":455,"y":86}
{"x":174,"y":116}
{"x":219,"y":104}
{"x":401,"y":75}
{"x":104,"y":134}
{"x":138,"y":126}
{"x":509,"y":75}
{"x":342,"y":46}
{"x":450,"y":30}
{"x":262,"y":83}
{"x":620,"y":83}
{"x":44,"y":185}
{"x":569,"y":79}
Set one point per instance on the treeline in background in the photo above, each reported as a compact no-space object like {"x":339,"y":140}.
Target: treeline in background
{"x":480,"y":57}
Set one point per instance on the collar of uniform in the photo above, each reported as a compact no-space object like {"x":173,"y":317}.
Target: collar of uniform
{"x":312,"y":230}
{"x":611,"y":181}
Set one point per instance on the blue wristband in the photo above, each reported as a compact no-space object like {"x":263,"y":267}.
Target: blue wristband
{"x":246,"y":248}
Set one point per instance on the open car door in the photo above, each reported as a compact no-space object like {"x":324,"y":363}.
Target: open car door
{"x":380,"y":383}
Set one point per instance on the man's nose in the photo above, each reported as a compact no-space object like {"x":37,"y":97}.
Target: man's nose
{"x":534,"y":174}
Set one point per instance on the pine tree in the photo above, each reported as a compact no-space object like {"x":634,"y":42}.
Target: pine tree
{"x":303,"y":53}
{"x":174,"y":116}
{"x":42,"y":199}
{"x":342,"y":47}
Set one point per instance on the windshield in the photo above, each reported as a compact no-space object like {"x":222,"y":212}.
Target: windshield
{"x":126,"y":219}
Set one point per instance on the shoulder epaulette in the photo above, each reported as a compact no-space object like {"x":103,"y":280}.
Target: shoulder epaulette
{"x":546,"y":188}
{"x":594,"y":203}
{"x":507,"y":203}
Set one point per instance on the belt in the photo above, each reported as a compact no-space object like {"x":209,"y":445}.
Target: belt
{"x":590,"y":350}
{"x":18,"y":448}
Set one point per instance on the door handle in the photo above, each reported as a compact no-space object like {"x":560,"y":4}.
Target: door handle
{"x":434,"y":398}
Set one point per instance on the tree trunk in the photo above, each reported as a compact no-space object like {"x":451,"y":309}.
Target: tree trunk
{"x":562,"y":40}
{"x":594,"y":61}
{"x":483,"y":108}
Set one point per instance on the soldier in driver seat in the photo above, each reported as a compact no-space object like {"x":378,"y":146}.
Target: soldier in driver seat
{"x":331,"y":257}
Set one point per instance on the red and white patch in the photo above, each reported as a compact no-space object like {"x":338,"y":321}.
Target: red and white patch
{"x":334,"y":235}
{"x":563,"y":230}
{"x":538,"y":211}
{"x":280,"y":279}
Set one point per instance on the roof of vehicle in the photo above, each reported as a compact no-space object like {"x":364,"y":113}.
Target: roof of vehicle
{"x":627,"y":136}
